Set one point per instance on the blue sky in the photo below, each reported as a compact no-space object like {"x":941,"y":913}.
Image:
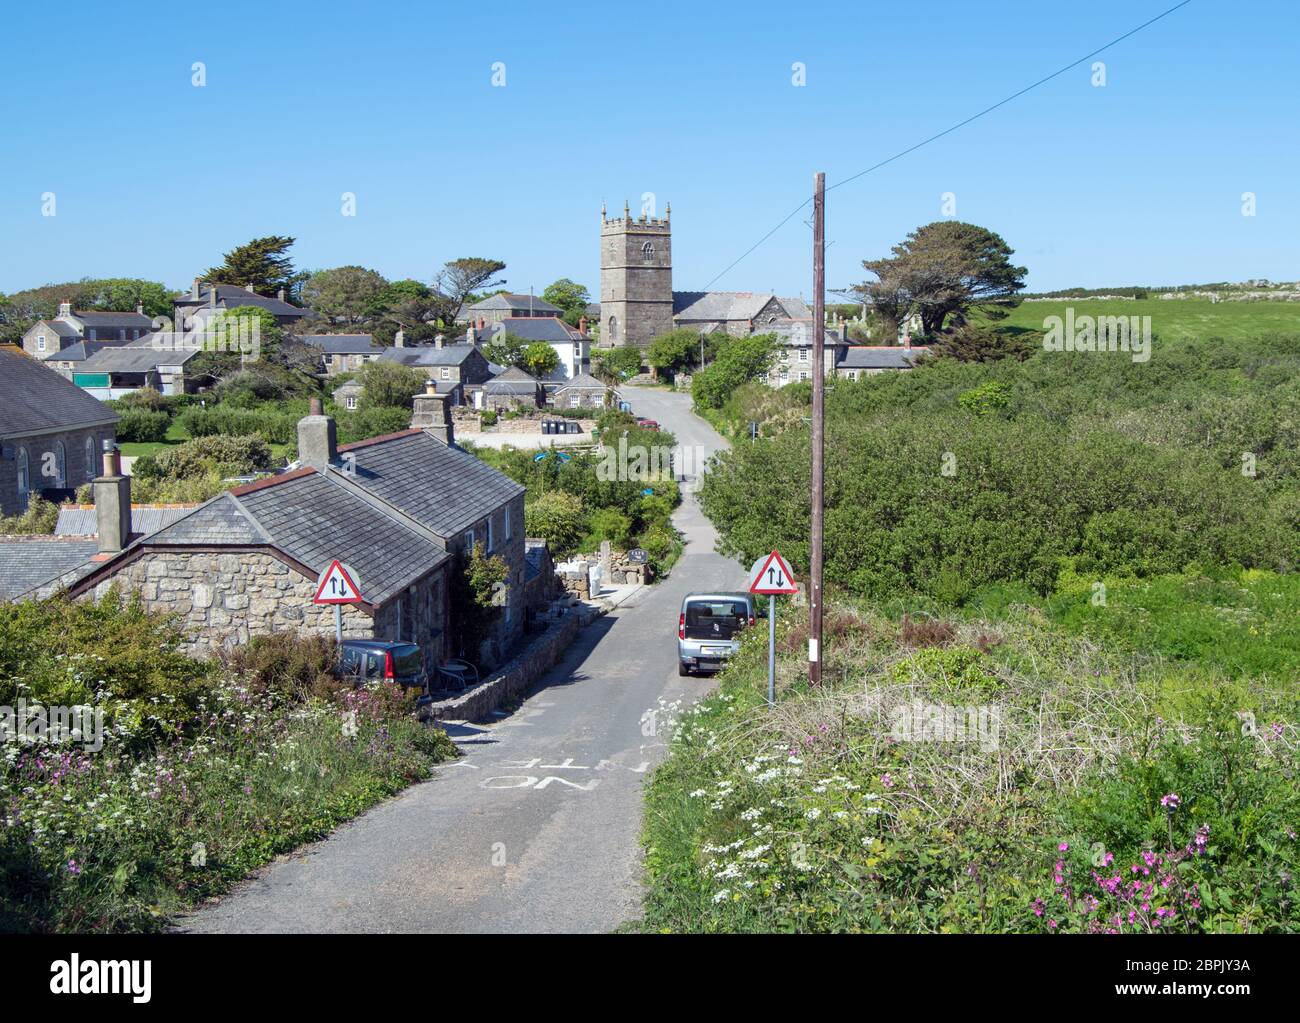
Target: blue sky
{"x":1138,"y":182}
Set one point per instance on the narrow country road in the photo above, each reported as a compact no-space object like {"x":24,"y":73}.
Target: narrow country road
{"x":536,"y":828}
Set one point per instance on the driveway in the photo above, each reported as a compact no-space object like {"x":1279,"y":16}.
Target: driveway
{"x":536,"y":828}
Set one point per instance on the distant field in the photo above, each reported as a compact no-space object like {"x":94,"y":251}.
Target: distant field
{"x":1173,"y":319}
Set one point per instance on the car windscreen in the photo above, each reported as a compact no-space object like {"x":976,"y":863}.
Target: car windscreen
{"x":715,"y":619}
{"x":407,"y":660}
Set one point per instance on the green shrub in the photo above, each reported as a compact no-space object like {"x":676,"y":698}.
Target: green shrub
{"x":141,"y":426}
{"x":558,"y":518}
{"x":41,"y":516}
{"x":204,"y":456}
{"x":272,"y":426}
{"x":287,"y":664}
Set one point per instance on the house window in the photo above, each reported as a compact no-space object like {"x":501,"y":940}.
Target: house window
{"x":491,"y":544}
{"x":350,"y":402}
{"x":92,"y":334}
{"x":446,"y":372}
{"x":785,"y":375}
{"x":575,"y":401}
{"x":121,"y":334}
{"x":24,"y":478}
{"x":90,"y":458}
{"x":613,"y":328}
{"x":648,"y":252}
{"x":803,"y":354}
{"x":803,"y":375}
{"x":505,"y":521}
{"x":61,"y":465}
{"x":40,"y":342}
{"x":468,"y":539}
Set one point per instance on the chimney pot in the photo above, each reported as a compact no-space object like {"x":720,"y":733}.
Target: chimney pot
{"x":194,"y":288}
{"x":399,"y":341}
{"x":316,"y":407}
{"x":582,"y":324}
{"x":430,"y":387}
{"x":112,"y":503}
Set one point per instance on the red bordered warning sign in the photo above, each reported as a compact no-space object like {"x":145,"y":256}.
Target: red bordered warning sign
{"x":335,"y":586}
{"x":772,"y":575}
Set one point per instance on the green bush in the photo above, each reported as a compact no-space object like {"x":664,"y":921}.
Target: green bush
{"x":142,"y":426}
{"x":204,"y":456}
{"x":272,"y":426}
{"x":558,"y":518}
{"x":41,"y":516}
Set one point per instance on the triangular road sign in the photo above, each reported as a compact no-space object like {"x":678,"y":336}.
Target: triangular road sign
{"x":335,"y":586}
{"x":773,"y":575}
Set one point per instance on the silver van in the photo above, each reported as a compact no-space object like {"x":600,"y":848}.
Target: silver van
{"x":708,"y":629}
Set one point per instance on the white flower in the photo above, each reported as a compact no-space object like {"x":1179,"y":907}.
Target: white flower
{"x":813,"y":814}
{"x":721,"y":896}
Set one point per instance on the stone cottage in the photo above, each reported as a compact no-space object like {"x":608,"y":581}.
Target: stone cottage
{"x":51,"y":433}
{"x":396,"y":510}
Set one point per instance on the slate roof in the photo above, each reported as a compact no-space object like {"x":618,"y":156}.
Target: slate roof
{"x":79,"y":519}
{"x":442,"y":487}
{"x":785,"y":330}
{"x":79,"y":352}
{"x":508,"y":301}
{"x":429,"y":355}
{"x":512,"y":381}
{"x":112,"y":321}
{"x":61,"y":327}
{"x":231,"y":296}
{"x":541,"y":328}
{"x":583,"y":381}
{"x":342,"y":344}
{"x":313,"y":518}
{"x":135,"y":359}
{"x":34,"y":399}
{"x":732,"y":305}
{"x":28,"y":562}
{"x":873,"y":357}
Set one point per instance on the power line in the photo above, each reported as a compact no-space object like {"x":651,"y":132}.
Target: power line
{"x":948,"y":131}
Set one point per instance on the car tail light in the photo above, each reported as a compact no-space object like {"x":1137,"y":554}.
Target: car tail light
{"x":681,"y":626}
{"x":752,"y":619}
{"x":388,"y":665}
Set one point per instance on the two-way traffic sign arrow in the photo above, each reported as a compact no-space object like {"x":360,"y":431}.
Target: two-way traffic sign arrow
{"x":771,"y":575}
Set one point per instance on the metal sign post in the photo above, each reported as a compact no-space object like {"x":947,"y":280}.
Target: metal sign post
{"x":771,"y":576}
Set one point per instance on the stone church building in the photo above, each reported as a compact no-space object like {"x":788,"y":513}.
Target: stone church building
{"x":637,"y":301}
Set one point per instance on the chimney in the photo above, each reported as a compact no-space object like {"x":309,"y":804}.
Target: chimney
{"x":318,"y":443}
{"x":112,"y":503}
{"x":482,"y":323}
{"x":582,"y":324}
{"x":399,"y":339}
{"x":251,"y":290}
{"x":470,"y":336}
{"x":65,"y":310}
{"x":194,"y":289}
{"x":438,"y":341}
{"x":212,"y":294}
{"x":433,"y":413}
{"x":139,"y":309}
{"x":280,"y":294}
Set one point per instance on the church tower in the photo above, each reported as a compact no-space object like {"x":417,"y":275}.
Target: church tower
{"x":636,"y":278}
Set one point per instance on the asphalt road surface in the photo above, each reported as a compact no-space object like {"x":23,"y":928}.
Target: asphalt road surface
{"x":535,"y":829}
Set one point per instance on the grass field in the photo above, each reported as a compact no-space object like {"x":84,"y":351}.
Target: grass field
{"x":1173,"y":319}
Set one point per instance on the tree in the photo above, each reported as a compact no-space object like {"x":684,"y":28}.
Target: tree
{"x":458,"y":280}
{"x":679,"y":350}
{"x":232,"y":337}
{"x":945,"y":269}
{"x":739,"y":361}
{"x":390,"y":384}
{"x":979,"y":342}
{"x":264,"y":263}
{"x":614,"y":365}
{"x":572,"y":298}
{"x":505,"y":349}
{"x":540,"y":359}
{"x":346,"y":294}
{"x":558,"y":518}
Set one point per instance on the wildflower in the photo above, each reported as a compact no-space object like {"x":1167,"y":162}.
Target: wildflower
{"x":1063,"y":847}
{"x":1037,"y":906}
{"x":1170,"y":802}
{"x":887,"y":781}
{"x":74,"y":868}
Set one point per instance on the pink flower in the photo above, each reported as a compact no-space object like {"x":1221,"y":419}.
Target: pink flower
{"x":1063,"y":847}
{"x":887,"y":781}
{"x":1170,"y":802}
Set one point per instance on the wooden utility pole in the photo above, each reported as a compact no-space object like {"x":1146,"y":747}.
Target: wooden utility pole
{"x":818,"y":430}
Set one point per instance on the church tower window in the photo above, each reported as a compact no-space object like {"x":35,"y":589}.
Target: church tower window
{"x":648,"y":252}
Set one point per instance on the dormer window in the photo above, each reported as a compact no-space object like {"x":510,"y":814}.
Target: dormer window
{"x":648,"y":252}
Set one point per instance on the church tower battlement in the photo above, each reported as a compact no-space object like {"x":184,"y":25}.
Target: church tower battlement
{"x":636,"y":277}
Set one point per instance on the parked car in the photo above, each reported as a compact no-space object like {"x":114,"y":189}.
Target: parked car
{"x":372,"y":660}
{"x":647,"y":424}
{"x":708,"y":629}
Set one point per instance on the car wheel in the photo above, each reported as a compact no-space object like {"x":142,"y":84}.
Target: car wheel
{"x":682,"y":669}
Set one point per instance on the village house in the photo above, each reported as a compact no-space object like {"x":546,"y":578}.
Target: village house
{"x":117,"y":371}
{"x":571,"y":345}
{"x":51,"y":433}
{"x":397,"y":510}
{"x":511,"y":390}
{"x":47,"y":338}
{"x":203,"y":301}
{"x":343,"y":353}
{"x":857,"y":361}
{"x":67,"y":361}
{"x":583,"y":391}
{"x":348,"y":395}
{"x":446,"y":365}
{"x":495,"y":308}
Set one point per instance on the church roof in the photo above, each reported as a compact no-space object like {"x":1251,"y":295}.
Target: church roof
{"x":732,"y":305}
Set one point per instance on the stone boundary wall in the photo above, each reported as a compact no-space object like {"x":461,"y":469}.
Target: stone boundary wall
{"x":515,"y":678}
